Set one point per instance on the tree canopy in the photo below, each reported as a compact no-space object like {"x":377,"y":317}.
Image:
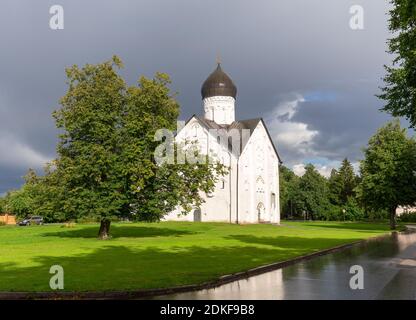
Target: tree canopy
{"x":342,"y":183}
{"x":306,"y":196}
{"x":105,"y":166}
{"x":400,"y":90}
{"x":313,"y":192}
{"x":388,"y":170}
{"x":288,"y":182}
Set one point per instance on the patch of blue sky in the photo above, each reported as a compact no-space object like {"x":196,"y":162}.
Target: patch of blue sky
{"x":320,"y":96}
{"x":317,"y":161}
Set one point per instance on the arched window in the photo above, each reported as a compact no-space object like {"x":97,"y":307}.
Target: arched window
{"x":195,"y":128}
{"x":273,"y":200}
{"x":260,"y":184}
{"x":260,"y":211}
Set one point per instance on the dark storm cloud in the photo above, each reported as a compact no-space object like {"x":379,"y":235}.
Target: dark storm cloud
{"x":345,"y":123}
{"x":270,"y":48}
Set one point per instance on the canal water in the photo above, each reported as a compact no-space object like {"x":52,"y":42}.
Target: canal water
{"x":389,"y":272}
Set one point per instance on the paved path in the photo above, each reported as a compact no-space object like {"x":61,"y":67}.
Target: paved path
{"x":389,"y":266}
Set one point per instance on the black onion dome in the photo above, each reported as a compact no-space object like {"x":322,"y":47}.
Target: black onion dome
{"x":218,"y":84}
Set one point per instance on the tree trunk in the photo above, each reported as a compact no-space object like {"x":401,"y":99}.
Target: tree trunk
{"x":393,"y":218}
{"x":104,"y":232}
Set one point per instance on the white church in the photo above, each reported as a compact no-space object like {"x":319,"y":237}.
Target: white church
{"x":249,"y":193}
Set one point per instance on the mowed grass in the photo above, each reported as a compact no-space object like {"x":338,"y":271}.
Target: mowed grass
{"x":157,"y":255}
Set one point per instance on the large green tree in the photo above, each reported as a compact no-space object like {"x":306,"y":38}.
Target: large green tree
{"x":334,"y":187}
{"x":388,"y":177}
{"x":288,"y":183}
{"x":106,"y":165}
{"x":47,"y":194}
{"x":2,"y":205}
{"x":22,"y":202}
{"x":312,"y":194}
{"x":342,"y":183}
{"x":19,"y":203}
{"x":348,"y":181}
{"x":400,"y":89}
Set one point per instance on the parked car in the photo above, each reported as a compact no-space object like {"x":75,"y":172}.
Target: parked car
{"x":31,"y":221}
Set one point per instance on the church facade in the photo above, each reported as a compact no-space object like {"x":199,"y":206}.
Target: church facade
{"x":249,"y":192}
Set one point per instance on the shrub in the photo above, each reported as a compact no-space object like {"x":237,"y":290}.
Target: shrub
{"x":378,"y":215}
{"x":333,"y":213}
{"x":353,"y":212}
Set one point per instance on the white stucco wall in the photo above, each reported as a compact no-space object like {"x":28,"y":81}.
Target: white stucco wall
{"x":258,"y":177}
{"x":401,"y":210}
{"x":220,"y":204}
{"x":219,"y":109}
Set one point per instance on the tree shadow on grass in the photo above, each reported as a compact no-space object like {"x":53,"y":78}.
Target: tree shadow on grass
{"x":376,"y":248}
{"x":294,"y":243}
{"x":359,"y":227}
{"x":121,"y":268}
{"x":119,"y":232}
{"x":113,"y":267}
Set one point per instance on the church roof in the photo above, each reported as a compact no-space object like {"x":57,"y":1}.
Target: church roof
{"x":249,"y":124}
{"x":218,"y":83}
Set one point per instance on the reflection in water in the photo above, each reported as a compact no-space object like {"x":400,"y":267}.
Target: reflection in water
{"x":389,"y":273}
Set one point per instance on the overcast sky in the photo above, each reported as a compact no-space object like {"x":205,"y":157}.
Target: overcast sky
{"x":296,"y":63}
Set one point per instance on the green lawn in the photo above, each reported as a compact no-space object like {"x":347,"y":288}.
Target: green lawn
{"x":158,"y":255}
